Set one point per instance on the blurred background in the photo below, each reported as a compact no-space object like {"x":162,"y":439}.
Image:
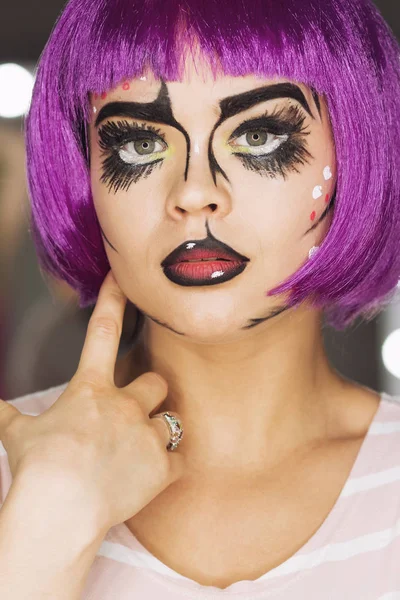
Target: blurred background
{"x":42,"y":330}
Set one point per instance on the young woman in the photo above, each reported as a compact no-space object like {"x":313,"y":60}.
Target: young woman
{"x":233,"y":171}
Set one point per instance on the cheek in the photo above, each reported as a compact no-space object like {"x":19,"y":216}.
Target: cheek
{"x":128,"y":219}
{"x":283,"y":205}
{"x":300,"y":198}
{"x":271,"y":213}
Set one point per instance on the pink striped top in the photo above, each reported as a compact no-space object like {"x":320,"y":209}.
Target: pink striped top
{"x":355,"y":554}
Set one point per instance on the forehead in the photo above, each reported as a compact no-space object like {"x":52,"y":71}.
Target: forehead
{"x":197,"y":81}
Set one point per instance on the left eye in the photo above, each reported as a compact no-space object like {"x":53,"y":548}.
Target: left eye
{"x":260,"y":142}
{"x":137,"y":152}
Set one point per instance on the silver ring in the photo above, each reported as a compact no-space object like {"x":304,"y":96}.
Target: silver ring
{"x":175,"y":429}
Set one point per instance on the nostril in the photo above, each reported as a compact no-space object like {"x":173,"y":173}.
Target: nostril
{"x":213,"y":207}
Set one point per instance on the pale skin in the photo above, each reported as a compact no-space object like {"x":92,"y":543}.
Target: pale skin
{"x":271,"y":430}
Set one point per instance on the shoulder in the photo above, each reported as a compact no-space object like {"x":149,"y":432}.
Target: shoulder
{"x":358,"y":407}
{"x":381,"y":448}
{"x":387,"y":418}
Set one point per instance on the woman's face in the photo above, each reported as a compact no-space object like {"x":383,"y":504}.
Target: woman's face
{"x":241,"y":165}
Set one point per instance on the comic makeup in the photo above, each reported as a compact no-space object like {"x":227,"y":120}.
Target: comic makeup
{"x":279,"y":148}
{"x":233,"y":162}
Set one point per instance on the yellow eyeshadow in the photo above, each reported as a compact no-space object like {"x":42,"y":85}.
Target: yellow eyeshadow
{"x":241,"y":149}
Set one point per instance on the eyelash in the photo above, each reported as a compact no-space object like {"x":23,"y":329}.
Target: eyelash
{"x":117,"y":173}
{"x":287,"y":122}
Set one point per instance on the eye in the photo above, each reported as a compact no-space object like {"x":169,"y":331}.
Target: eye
{"x":138,"y":151}
{"x":259,"y":142}
{"x":130,"y":151}
{"x":272,"y":145}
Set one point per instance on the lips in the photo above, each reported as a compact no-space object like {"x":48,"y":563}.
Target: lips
{"x":203,"y":262}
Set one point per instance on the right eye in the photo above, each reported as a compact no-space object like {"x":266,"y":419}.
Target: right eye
{"x":131,"y":151}
{"x":138,"y":151}
{"x":132,"y":143}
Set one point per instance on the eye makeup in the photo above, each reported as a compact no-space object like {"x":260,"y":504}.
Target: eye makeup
{"x":131,"y":151}
{"x":160,"y":111}
{"x":278,"y":139}
{"x":277,"y":146}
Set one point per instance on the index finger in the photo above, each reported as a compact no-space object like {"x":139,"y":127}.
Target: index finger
{"x":100,"y":350}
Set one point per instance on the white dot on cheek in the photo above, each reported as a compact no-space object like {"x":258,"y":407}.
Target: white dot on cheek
{"x":313,"y":251}
{"x":94,"y":109}
{"x":317,"y":192}
{"x":327,"y":173}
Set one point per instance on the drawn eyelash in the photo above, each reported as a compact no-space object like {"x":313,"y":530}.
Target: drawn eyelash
{"x":113,"y":136}
{"x":284,"y":122}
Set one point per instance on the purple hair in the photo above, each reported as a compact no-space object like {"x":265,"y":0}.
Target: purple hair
{"x":341,"y":48}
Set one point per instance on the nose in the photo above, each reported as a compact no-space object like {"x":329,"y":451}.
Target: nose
{"x":198,"y":194}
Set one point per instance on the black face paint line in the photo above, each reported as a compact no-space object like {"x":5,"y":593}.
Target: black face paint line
{"x":324,"y":214}
{"x":162,"y":324}
{"x":214,"y":166}
{"x":316,"y":100}
{"x":273,"y":313}
{"x":158,"y":111}
{"x":141,"y":316}
{"x":108,"y":242}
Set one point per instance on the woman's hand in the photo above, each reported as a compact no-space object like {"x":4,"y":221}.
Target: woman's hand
{"x":96,"y":436}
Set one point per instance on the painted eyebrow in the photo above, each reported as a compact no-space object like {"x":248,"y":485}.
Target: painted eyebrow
{"x":229,"y":106}
{"x":148,"y":111}
{"x":232,"y":105}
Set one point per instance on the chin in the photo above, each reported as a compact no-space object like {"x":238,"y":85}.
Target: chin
{"x":209,"y":331}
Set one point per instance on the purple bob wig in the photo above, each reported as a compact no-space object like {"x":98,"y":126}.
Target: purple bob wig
{"x":343,"y":49}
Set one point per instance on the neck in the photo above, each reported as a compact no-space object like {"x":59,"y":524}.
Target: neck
{"x":248,"y":404}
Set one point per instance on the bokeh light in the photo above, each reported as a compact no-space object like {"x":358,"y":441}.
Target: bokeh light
{"x":16,"y":84}
{"x":391,"y":353}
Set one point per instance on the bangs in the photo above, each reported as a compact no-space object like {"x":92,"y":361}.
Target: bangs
{"x":307,"y":42}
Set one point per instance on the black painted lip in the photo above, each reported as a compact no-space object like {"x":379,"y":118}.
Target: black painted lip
{"x":208,"y":244}
{"x":186,"y":281}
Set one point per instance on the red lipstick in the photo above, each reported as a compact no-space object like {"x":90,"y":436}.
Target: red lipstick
{"x":203,"y":262}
